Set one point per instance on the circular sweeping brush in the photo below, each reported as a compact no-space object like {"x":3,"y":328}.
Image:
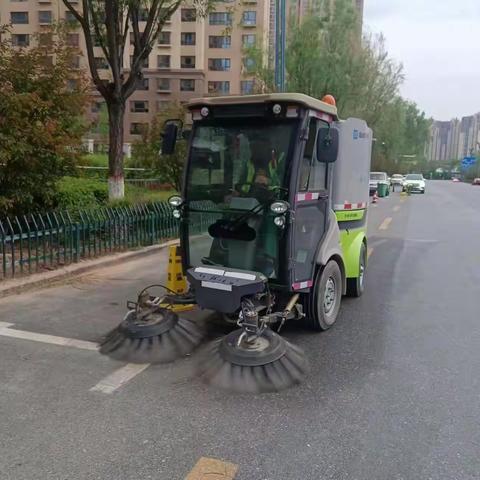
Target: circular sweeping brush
{"x":267,"y":364}
{"x":159,"y":336}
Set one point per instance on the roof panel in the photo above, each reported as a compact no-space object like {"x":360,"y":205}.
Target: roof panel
{"x":300,"y":98}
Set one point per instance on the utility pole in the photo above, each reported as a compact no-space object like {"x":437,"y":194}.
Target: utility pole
{"x":280,"y":40}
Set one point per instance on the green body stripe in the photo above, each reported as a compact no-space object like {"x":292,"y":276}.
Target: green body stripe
{"x":349,"y":215}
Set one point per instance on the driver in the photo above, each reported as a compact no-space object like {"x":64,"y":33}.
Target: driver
{"x":261,"y":170}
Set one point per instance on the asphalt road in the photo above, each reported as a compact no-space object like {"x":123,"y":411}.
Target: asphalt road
{"x":393,"y":392}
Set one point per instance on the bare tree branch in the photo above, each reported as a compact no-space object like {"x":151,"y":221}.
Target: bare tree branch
{"x":84,"y":22}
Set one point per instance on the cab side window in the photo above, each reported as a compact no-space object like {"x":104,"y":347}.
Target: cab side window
{"x":312,"y":173}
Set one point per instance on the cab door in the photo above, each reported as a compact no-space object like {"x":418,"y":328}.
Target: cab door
{"x":310,"y":209}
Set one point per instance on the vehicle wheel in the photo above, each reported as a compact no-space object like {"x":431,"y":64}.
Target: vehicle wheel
{"x":356,"y":286}
{"x":323,"y":302}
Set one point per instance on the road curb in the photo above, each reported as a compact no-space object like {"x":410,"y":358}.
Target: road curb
{"x":50,"y":278}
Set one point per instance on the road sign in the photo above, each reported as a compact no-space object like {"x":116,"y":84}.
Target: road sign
{"x":467,"y":162}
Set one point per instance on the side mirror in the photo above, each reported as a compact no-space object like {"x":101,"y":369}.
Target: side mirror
{"x":170,"y":134}
{"x":327,"y":145}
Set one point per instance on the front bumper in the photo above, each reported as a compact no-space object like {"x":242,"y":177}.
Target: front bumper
{"x":415,"y":188}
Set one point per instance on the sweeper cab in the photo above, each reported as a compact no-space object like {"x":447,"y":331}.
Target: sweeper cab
{"x":272,"y":219}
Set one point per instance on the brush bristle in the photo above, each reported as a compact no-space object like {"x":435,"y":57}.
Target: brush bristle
{"x":288,"y":370}
{"x":177,"y":342}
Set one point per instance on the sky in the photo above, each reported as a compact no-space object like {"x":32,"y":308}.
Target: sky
{"x":438,"y":42}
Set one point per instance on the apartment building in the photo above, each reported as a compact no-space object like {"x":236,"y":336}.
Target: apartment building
{"x":454,"y":139}
{"x":192,"y":56}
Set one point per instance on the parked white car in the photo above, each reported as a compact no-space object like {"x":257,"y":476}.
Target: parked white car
{"x":375,"y":179}
{"x":415,"y":181}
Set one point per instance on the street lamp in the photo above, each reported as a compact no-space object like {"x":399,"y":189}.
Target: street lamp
{"x":280,"y":38}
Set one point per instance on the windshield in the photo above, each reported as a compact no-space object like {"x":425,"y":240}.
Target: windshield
{"x":236,"y":169}
{"x":378,"y":176}
{"x":414,"y":176}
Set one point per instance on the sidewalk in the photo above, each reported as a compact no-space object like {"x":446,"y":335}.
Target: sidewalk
{"x":63,"y":274}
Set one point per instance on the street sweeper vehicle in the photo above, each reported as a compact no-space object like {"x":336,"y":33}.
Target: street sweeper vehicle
{"x":272,"y":218}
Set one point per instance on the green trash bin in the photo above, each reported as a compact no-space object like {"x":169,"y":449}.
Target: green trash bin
{"x":382,"y":189}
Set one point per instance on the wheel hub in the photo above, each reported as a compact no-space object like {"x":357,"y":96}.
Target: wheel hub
{"x":154,"y":323}
{"x":330,"y":295}
{"x":266,"y":348}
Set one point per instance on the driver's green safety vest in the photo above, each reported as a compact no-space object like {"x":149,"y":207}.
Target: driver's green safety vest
{"x":272,"y":174}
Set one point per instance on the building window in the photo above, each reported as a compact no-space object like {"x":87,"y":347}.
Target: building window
{"x":162,"y":105}
{"x":142,"y":84}
{"x":96,"y":107}
{"x":187,"y":85}
{"x":45,"y":39}
{"x":219,"y":64}
{"x":188,"y":14}
{"x":249,"y":18}
{"x":45,"y":17}
{"x":163,"y":84}
{"x":246,"y":87}
{"x":101,"y":63}
{"x":19,"y":18}
{"x":143,"y":63}
{"x":187,"y":38}
{"x":164,"y":15}
{"x":72,"y":84}
{"x":164,"y":38}
{"x":73,"y":39}
{"x":187,"y":62}
{"x":249,"y":40}
{"x":220,"y":18}
{"x":75,"y":61}
{"x":163,"y":61}
{"x":248,"y":64}
{"x":20,"y":40}
{"x":137,"y":128}
{"x":219,"y":41}
{"x":139,"y":106}
{"x":70,"y":17}
{"x":143,"y":15}
{"x":219,"y":87}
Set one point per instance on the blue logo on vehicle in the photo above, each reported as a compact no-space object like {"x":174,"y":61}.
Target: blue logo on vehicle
{"x":358,"y":134}
{"x":355,"y":134}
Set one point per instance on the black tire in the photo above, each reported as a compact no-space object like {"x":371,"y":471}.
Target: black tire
{"x":317,"y":318}
{"x":356,"y":286}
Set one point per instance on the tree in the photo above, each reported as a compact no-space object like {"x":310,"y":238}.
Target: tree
{"x":107,"y":23}
{"x":146,"y":153}
{"x":41,"y":125}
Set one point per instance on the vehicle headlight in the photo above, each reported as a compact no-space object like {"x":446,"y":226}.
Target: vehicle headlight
{"x":279,"y":207}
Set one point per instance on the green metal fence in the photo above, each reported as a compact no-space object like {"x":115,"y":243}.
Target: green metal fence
{"x":38,"y":242}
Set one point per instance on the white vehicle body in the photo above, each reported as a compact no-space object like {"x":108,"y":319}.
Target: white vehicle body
{"x":375,"y":179}
{"x":415,"y":181}
{"x":397,"y":179}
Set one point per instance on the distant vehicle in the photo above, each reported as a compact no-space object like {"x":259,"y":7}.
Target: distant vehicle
{"x":377,"y":178}
{"x":476,"y":181}
{"x":455,"y":179}
{"x":414,"y":182}
{"x":396,"y":179}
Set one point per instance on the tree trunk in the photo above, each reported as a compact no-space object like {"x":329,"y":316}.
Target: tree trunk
{"x":116,"y":186}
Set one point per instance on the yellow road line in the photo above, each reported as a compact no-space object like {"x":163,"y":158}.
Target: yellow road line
{"x":369,"y":252}
{"x":384,"y":225}
{"x":212,"y":469}
{"x":396,"y":208}
{"x":119,"y":377}
{"x":6,"y":331}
